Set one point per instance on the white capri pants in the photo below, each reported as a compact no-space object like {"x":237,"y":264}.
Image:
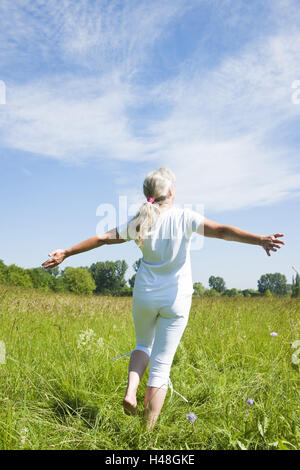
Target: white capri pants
{"x":159,"y":324}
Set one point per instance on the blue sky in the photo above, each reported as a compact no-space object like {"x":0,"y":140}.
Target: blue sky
{"x":98,"y":93}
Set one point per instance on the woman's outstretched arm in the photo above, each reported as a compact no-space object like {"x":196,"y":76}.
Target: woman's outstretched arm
{"x":58,"y":256}
{"x":210,"y":228}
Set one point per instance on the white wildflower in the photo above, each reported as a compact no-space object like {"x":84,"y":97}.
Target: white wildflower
{"x":88,"y":341}
{"x":23,"y":435}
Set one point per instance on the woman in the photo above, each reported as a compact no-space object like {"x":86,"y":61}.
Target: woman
{"x":163,"y":287}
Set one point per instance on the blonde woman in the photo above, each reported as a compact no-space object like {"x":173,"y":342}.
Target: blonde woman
{"x":163,"y":286}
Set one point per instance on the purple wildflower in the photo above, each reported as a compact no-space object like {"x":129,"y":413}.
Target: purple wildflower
{"x":191,"y":417}
{"x":250,"y":401}
{"x":274,"y":334}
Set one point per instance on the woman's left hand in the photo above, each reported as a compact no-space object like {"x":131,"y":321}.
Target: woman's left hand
{"x":57,"y":257}
{"x":271,"y":243}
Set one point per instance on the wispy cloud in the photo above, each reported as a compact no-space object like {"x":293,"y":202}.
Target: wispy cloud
{"x":83,"y":113}
{"x":71,"y":120}
{"x":222,"y":133}
{"x":85,"y":33}
{"x":217,"y":127}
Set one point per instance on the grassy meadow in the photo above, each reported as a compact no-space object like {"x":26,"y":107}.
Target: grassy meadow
{"x":60,"y":389}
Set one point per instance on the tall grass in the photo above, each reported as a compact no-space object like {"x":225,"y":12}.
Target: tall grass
{"x":60,"y":389}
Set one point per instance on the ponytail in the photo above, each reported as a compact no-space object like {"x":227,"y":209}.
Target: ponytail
{"x":156,"y":187}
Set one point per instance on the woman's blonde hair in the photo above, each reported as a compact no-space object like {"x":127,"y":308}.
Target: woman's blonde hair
{"x":157,"y":185}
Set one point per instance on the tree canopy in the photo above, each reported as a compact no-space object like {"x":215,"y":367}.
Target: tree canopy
{"x":217,"y":283}
{"x":79,"y":280}
{"x":108,"y":278}
{"x":276,"y":283}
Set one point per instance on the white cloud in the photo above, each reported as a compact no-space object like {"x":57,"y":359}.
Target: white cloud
{"x":84,"y":115}
{"x":72,"y":120}
{"x":89,"y":34}
{"x":217,"y":126}
{"x":219,"y":135}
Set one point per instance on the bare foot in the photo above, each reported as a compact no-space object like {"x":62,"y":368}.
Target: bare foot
{"x":130,"y":405}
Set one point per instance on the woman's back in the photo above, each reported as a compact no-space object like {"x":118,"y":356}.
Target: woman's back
{"x":166,"y":252}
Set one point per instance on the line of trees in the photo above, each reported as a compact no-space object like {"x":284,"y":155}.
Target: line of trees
{"x":108,"y":278}
{"x":268,"y":284}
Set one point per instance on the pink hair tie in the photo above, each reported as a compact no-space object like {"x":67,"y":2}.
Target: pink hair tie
{"x":150,"y":199}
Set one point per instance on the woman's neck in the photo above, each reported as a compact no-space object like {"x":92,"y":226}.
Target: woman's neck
{"x":165,"y":206}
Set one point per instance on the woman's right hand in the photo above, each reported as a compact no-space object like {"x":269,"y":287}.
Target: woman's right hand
{"x":57,"y":257}
{"x":271,"y":242}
